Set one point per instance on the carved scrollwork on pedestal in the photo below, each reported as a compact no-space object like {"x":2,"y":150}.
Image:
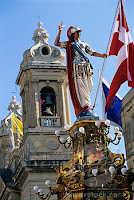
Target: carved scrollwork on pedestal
{"x":126,"y":194}
{"x":78,"y":196}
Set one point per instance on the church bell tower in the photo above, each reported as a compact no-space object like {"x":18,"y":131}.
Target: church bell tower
{"x":45,"y":108}
{"x":43,"y":81}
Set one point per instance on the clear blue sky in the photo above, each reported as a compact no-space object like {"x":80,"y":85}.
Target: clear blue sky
{"x":19,"y":20}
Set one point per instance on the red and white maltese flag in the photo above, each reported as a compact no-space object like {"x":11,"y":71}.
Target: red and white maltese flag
{"x":121,"y":46}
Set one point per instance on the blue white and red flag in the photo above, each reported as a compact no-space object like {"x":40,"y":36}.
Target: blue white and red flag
{"x":114,"y":111}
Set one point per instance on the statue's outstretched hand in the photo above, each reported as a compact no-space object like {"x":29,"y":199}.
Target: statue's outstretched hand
{"x":104,"y":55}
{"x":60,"y":27}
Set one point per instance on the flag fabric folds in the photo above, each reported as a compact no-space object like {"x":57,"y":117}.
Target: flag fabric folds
{"x":122,"y":46}
{"x":113,"y":113}
{"x":16,"y":125}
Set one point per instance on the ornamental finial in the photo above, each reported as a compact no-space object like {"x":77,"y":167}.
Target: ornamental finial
{"x":13,"y":98}
{"x":40,"y":24}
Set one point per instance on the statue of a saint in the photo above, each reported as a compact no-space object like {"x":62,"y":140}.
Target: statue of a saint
{"x":79,"y":69}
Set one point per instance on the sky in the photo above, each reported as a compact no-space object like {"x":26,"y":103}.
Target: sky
{"x":19,"y":19}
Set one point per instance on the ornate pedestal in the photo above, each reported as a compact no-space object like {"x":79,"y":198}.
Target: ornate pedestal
{"x":94,"y":172}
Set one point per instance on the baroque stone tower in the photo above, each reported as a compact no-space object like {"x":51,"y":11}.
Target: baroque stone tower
{"x":43,"y":81}
{"x":9,"y":142}
{"x":45,"y":108}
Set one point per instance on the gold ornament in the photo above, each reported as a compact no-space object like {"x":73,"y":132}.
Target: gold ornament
{"x":126,"y":195}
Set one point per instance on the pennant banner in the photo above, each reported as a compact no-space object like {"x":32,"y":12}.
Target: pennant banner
{"x":17,"y":125}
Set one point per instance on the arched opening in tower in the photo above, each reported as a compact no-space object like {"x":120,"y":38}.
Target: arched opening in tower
{"x":48,"y":101}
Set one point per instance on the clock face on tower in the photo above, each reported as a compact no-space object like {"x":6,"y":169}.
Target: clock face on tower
{"x":52,"y":144}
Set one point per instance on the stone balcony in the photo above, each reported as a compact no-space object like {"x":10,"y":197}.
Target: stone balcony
{"x":53,"y":121}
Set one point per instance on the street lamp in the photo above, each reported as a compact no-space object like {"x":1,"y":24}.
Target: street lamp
{"x":39,"y":191}
{"x":65,"y":142}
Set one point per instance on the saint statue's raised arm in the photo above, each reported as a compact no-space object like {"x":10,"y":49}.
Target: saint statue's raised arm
{"x":79,"y":69}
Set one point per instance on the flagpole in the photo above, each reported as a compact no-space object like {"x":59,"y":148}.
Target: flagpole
{"x":106,"y":52}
